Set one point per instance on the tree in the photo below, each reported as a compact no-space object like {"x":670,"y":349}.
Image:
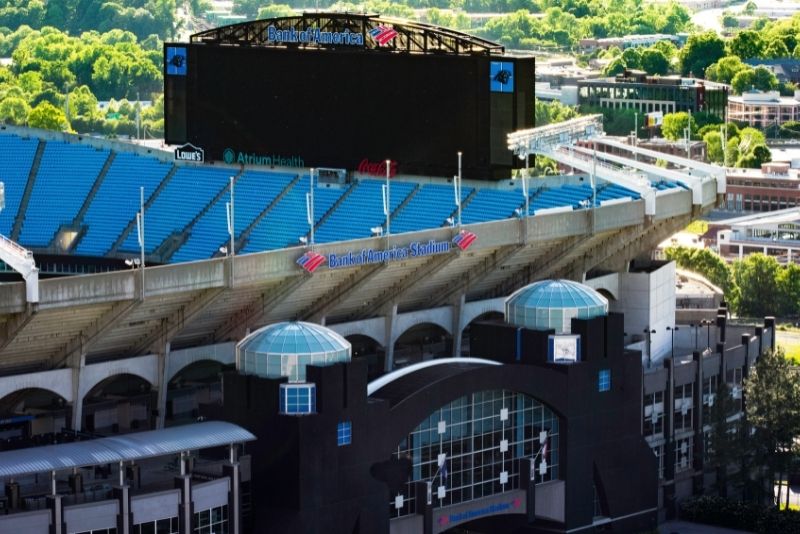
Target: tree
{"x":773,"y":410}
{"x":776,"y":49}
{"x":14,"y":110}
{"x":708,"y":264}
{"x":757,"y":279}
{"x":727,"y":444}
{"x":632,"y":57}
{"x":790,"y":129}
{"x":760,"y":78}
{"x":48,"y":117}
{"x":747,"y":44}
{"x":700,"y":51}
{"x":732,"y":151}
{"x":675,"y":124}
{"x":729,"y":20}
{"x":275,"y":10}
{"x":725,"y":69}
{"x":713,"y":141}
{"x":615,"y":67}
{"x":653,"y":61}
{"x":789,"y":290}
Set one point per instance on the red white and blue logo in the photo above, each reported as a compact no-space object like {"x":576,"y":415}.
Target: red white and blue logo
{"x":310,"y":261}
{"x":383,"y":34}
{"x":464,"y":239}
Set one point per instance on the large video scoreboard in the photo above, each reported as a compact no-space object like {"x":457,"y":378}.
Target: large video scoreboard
{"x":349,"y":92}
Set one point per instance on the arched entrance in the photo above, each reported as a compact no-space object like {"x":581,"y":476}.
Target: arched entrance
{"x":197,"y":383}
{"x":369,"y":349}
{"x":422,"y":342}
{"x":32,"y":416}
{"x":119,"y":403}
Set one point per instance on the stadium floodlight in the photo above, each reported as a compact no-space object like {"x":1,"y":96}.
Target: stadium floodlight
{"x":303,"y":239}
{"x":451,"y":221}
{"x":376,"y":230}
{"x":223,"y":249}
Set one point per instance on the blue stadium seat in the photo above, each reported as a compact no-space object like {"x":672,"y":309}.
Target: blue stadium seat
{"x":492,"y":205}
{"x":361,"y":211}
{"x":117,"y":200}
{"x":429,"y":208}
{"x":253,"y":192}
{"x":16,"y":155}
{"x":66,"y":175}
{"x":286,"y":222}
{"x":189,"y":191}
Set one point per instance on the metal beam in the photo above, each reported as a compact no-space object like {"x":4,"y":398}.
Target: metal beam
{"x":15,"y":324}
{"x":402,"y":286}
{"x":88,"y":336}
{"x":174,"y":323}
{"x":462,"y":283}
{"x":251,"y":313}
{"x":327,"y":302}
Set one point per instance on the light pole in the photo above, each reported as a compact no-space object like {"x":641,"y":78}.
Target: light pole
{"x":696,"y":327}
{"x":648,"y":332}
{"x":231,"y":230}
{"x":388,"y":200}
{"x":310,"y":207}
{"x":672,"y":330}
{"x":458,"y":194}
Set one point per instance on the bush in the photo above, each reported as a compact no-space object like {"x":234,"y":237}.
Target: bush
{"x":740,"y":515}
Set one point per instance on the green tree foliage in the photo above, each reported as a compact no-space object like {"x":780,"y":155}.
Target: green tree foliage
{"x":654,"y":61}
{"x":708,"y":264}
{"x":747,"y":44}
{"x":275,"y":10}
{"x":760,"y":79}
{"x":14,"y":110}
{"x":725,"y":69}
{"x":47,"y":117}
{"x":142,"y":17}
{"x":776,"y":49}
{"x":713,"y":141}
{"x":729,"y":20}
{"x":615,"y":67}
{"x":757,"y":278}
{"x":700,"y":51}
{"x":675,"y":124}
{"x":727,"y":440}
{"x":615,"y":121}
{"x":789,"y":290}
{"x":790,"y":130}
{"x":773,"y":409}
{"x":549,"y":112}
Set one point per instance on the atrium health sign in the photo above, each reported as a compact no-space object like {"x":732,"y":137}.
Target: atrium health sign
{"x":310,"y":261}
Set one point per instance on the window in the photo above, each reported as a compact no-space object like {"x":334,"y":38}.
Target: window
{"x":160,"y":526}
{"x":733,"y":378}
{"x":658,"y":451}
{"x":653,"y":423}
{"x":212,"y":521}
{"x":709,"y":397}
{"x":683,"y":454}
{"x":298,"y":399}
{"x":604,"y":380}
{"x":684,"y":408}
{"x":344,"y":433}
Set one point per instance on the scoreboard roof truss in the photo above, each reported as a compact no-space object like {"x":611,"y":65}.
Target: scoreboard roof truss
{"x":407,"y":36}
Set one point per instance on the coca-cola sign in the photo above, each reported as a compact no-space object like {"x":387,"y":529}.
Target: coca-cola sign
{"x":377,"y":168}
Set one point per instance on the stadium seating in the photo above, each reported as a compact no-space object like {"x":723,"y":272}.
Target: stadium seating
{"x":253,"y":192}
{"x":16,"y":155}
{"x":614,"y":191}
{"x":429,"y":208}
{"x":188,"y":192}
{"x":361,"y":211}
{"x":492,"y":204}
{"x":117,"y":200}
{"x":66,"y":175}
{"x":287,"y":221}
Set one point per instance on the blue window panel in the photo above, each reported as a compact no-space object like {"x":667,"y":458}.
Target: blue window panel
{"x":344,"y":433}
{"x":176,"y":61}
{"x":604,"y":380}
{"x":501,"y":77}
{"x":298,"y":399}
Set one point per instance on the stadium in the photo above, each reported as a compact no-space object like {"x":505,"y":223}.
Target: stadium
{"x":365,"y":353}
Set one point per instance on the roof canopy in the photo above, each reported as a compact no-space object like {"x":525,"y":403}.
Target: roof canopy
{"x":370,"y":30}
{"x":137,"y":446}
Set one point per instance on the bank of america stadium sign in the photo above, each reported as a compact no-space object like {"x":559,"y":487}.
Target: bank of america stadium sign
{"x":311,"y":261}
{"x":314,"y":36}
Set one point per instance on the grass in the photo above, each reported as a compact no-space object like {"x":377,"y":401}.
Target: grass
{"x":790,"y":344}
{"x":697,"y":227}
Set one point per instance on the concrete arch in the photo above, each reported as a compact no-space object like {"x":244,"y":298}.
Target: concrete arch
{"x":374,"y":329}
{"x":145,"y":367}
{"x":177,"y":361}
{"x":442,"y":317}
{"x":58,"y":382}
{"x":473,"y":310}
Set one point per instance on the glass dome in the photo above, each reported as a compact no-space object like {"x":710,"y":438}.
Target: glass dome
{"x":285,"y":349}
{"x":552,"y":304}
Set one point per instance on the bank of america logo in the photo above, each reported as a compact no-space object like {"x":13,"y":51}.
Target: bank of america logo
{"x":383,"y":34}
{"x":310,"y":261}
{"x":464,"y":239}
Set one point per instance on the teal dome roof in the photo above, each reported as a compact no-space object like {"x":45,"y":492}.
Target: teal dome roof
{"x":552,"y":304}
{"x":285,"y":349}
